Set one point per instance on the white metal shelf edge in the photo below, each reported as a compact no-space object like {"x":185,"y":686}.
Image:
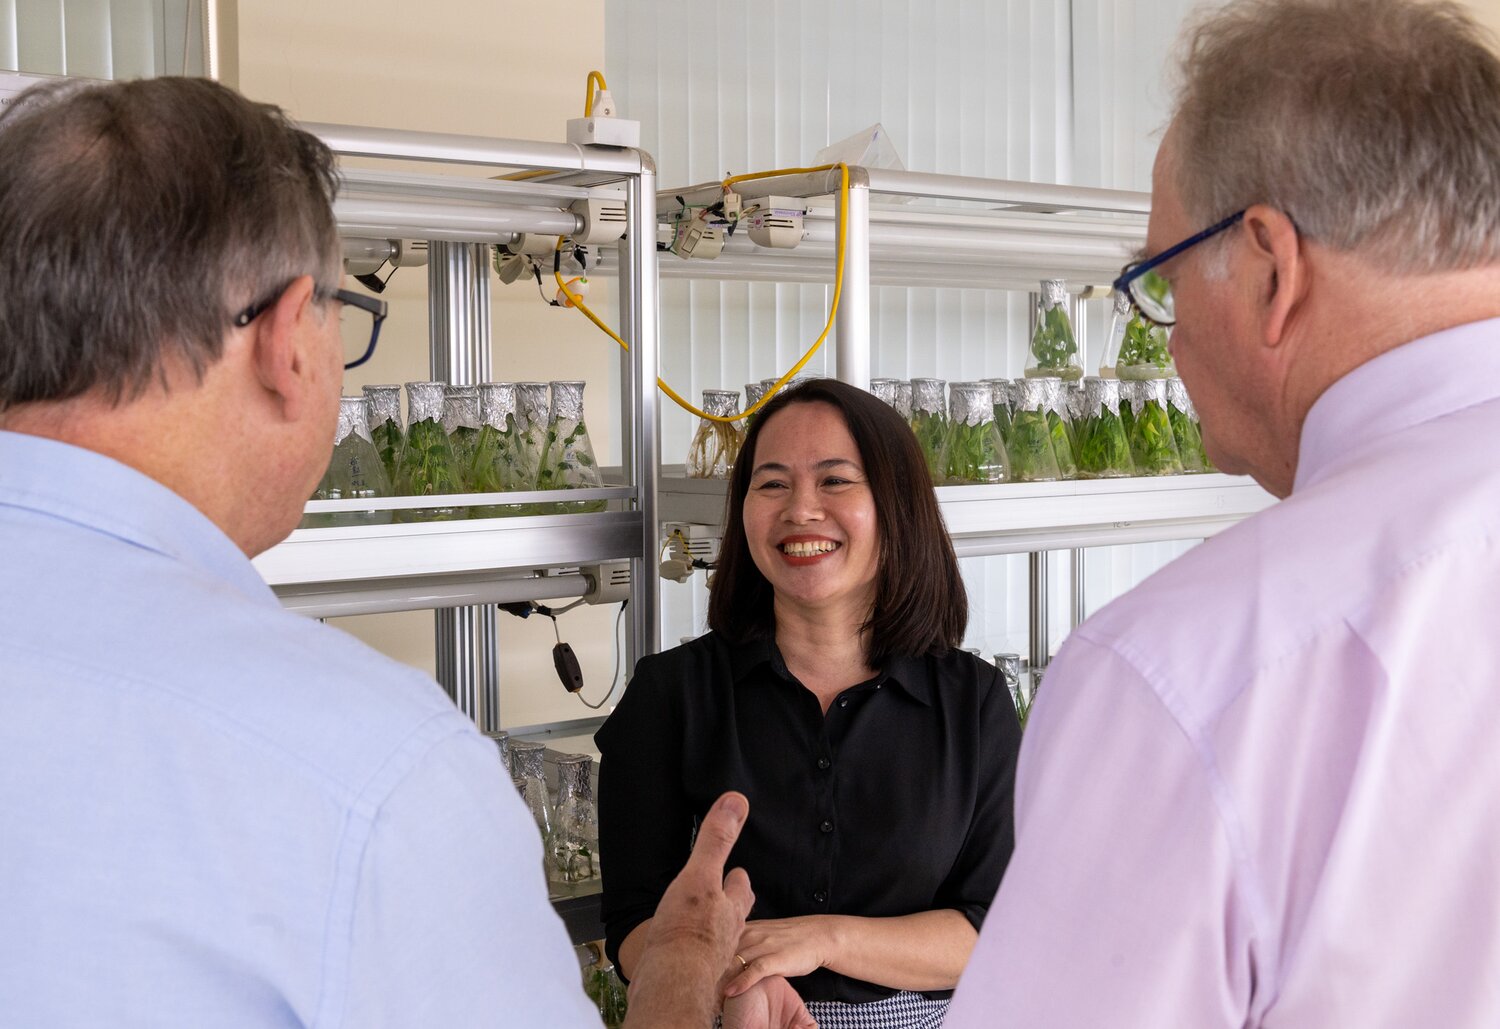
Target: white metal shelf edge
{"x":1019,"y":517}
{"x":437,"y":548}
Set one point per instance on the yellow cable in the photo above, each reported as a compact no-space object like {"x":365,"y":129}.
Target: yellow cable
{"x":838,"y":289}
{"x":588,"y":95}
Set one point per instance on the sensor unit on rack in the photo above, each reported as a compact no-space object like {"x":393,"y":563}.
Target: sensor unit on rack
{"x":776,"y":222}
{"x":698,"y":235}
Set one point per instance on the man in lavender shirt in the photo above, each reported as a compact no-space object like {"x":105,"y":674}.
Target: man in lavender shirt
{"x":1263,"y":789}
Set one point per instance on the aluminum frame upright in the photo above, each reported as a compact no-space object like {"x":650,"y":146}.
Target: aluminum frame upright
{"x":465,"y":638}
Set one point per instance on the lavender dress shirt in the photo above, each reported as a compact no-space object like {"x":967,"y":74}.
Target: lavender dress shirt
{"x":1263,"y":789}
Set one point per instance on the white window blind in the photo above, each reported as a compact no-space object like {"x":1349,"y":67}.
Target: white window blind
{"x":102,"y":39}
{"x":1039,"y":90}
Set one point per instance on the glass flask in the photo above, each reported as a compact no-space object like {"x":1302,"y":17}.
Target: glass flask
{"x":604,"y":987}
{"x":715,"y":445}
{"x":1033,"y":458}
{"x":527,"y":764}
{"x":427,"y":466}
{"x":1000,"y":403}
{"x":1142,"y":352}
{"x":1103,"y":450}
{"x":501,"y":739}
{"x":461,"y":423}
{"x":974,"y":451}
{"x":1185,"y":428}
{"x":354,"y":471}
{"x":795,"y":380}
{"x":496,"y":465}
{"x":1060,"y":420}
{"x":1143,"y":409}
{"x":1054,"y":350}
{"x":753,"y":392}
{"x":903,"y":399}
{"x":568,"y":455}
{"x":531,"y":429}
{"x":929,"y":420}
{"x":574,"y":849}
{"x":386,"y":429}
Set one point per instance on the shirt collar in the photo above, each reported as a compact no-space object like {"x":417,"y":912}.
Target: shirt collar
{"x":1413,"y":383}
{"x":912,"y":674}
{"x":101,"y":494}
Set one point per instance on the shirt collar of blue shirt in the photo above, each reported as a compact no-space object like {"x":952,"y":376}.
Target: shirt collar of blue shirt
{"x":911,"y":674}
{"x":101,"y":494}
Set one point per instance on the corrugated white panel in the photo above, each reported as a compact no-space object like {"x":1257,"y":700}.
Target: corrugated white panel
{"x":1037,"y":90}
{"x":102,"y":39}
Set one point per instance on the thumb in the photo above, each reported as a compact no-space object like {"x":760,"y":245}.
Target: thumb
{"x":717,"y":834}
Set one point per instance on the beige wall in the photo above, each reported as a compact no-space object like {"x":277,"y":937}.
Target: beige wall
{"x":485,"y":67}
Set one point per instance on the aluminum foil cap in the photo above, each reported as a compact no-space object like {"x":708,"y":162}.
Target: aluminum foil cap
{"x":496,"y":401}
{"x":526,"y":758}
{"x":903,"y":399}
{"x":460,"y":407}
{"x":1034,"y":394}
{"x":1052,"y":395}
{"x":1177,"y":396}
{"x":1054,"y":292}
{"x":352,"y":419}
{"x":567,"y":401}
{"x":424,"y":401}
{"x":753,"y":392}
{"x":970,"y":404}
{"x":927,"y":396}
{"x":1122,"y":304}
{"x":721,"y":402}
{"x":884,"y":389}
{"x":385,"y":404}
{"x":1100,"y":395}
{"x":531,"y":403}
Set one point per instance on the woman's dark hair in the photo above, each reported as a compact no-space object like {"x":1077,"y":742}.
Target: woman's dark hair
{"x":920,"y":603}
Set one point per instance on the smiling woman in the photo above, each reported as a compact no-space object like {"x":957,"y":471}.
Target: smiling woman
{"x":877,"y":756}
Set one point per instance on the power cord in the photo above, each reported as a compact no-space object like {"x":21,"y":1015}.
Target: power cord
{"x":564,"y":661}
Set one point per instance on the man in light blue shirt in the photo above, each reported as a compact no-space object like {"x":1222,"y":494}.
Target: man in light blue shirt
{"x":214,"y":813}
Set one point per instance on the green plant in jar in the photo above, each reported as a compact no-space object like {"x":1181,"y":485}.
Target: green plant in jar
{"x":716,"y":445}
{"x":567,"y":452}
{"x":427,"y":466}
{"x":461,"y":423}
{"x":1000,"y":404}
{"x":1103,"y":449}
{"x":929,"y":421}
{"x":1153,"y":447}
{"x":385,"y":425}
{"x":1054,"y":350}
{"x":1033,"y":457}
{"x":974,"y":451}
{"x":1143,"y":351}
{"x":496,"y":465}
{"x":1189,"y":436}
{"x":1056,"y":394}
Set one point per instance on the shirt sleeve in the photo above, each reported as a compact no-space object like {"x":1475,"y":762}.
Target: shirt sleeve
{"x":971,"y":885}
{"x":451,"y":925}
{"x":1119,"y":906}
{"x":645,"y":820}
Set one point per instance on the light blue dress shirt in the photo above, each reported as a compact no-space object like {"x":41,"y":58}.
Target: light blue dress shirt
{"x":216,"y":813}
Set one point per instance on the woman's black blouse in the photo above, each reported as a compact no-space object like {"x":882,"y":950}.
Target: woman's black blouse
{"x":897,"y":801}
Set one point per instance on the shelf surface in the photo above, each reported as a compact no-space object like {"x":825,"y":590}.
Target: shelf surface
{"x":375,"y":552}
{"x":1017,"y":518}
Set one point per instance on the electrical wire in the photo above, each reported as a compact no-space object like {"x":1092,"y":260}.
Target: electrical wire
{"x":588,"y":94}
{"x":615,"y":678}
{"x":838,"y":289}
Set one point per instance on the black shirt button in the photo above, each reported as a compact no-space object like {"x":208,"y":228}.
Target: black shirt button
{"x":827,"y":826}
{"x":820,"y":897}
{"x":823,"y":763}
{"x":843,"y":702}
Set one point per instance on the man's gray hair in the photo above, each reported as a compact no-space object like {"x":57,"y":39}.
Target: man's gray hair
{"x":1373,"y":124}
{"x":136,"y":219}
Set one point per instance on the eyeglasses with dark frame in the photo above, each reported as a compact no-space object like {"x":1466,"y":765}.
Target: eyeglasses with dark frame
{"x":376,"y":309}
{"x":1149,"y":292}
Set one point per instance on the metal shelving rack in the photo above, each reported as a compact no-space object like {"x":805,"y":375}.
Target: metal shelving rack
{"x":461,"y":569}
{"x":955,"y":231}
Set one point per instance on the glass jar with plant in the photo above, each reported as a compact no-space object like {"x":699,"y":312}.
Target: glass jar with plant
{"x":1185,"y":429}
{"x":568,"y":460}
{"x":1103,"y":450}
{"x":716,"y":445}
{"x":427,"y":466}
{"x":1153,"y":447}
{"x":1054,"y":350}
{"x":1033,"y":457}
{"x":929,"y":420}
{"x":975,"y":452}
{"x":386,"y":429}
